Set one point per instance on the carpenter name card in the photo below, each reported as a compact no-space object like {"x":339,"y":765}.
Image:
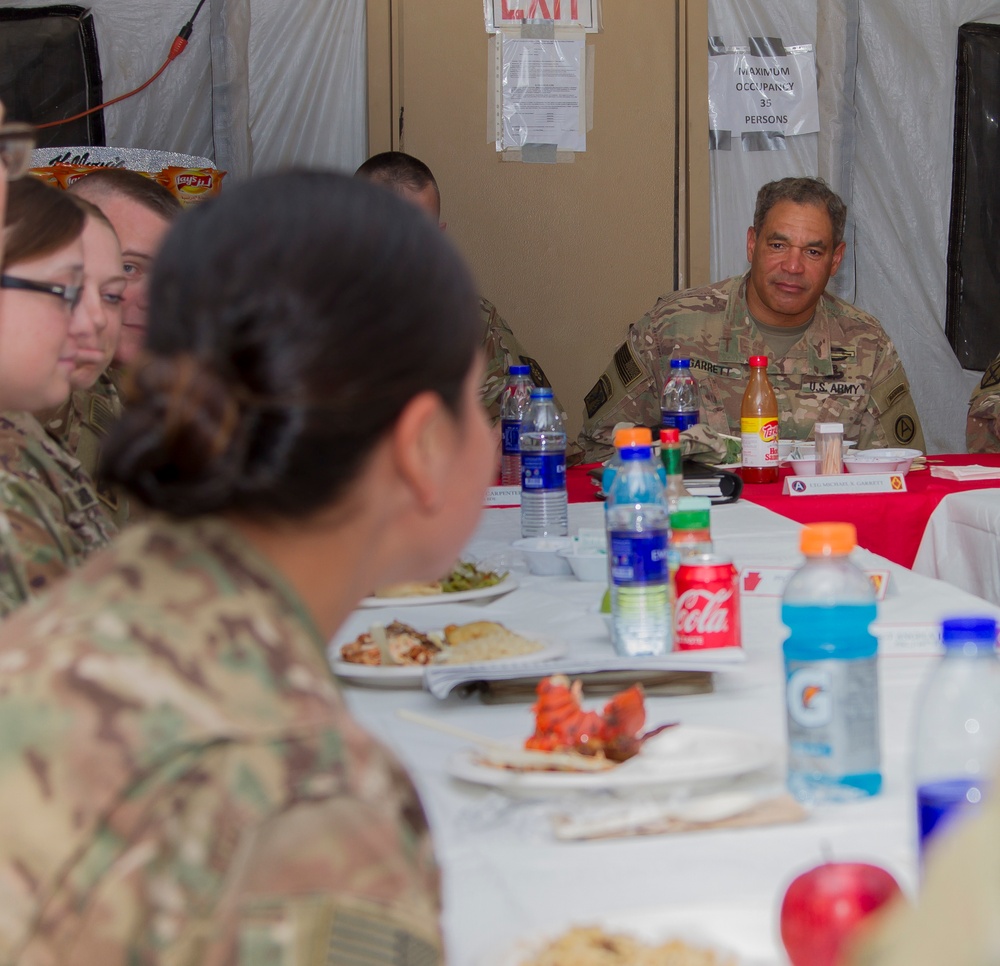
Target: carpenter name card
{"x":845,"y":483}
{"x":502,"y":496}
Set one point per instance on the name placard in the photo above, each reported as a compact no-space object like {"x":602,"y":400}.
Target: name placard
{"x":845,"y":483}
{"x":503,"y":496}
{"x":770,"y":581}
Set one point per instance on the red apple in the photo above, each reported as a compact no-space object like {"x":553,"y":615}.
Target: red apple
{"x":823,"y":906}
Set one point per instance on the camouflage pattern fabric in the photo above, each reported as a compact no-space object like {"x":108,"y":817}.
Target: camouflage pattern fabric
{"x":80,"y":426}
{"x":184,"y":785}
{"x":845,"y":369}
{"x":50,"y":516}
{"x":982,"y":428}
{"x":954,"y":921}
{"x":503,"y":351}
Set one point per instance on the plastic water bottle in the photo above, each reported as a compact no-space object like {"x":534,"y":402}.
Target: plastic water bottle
{"x":957,"y":735}
{"x":516,"y":397}
{"x":680,"y":402}
{"x":544,"y":510}
{"x":638,"y":544}
{"x":831,"y":676}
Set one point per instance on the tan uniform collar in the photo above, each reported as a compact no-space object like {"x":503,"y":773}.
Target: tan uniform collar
{"x":740,"y":338}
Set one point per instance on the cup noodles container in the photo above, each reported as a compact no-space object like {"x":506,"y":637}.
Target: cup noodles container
{"x":707,"y":605}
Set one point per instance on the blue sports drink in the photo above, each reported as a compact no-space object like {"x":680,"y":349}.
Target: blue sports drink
{"x":831,"y":674}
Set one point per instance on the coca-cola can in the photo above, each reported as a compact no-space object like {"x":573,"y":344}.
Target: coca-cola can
{"x":707,"y":607}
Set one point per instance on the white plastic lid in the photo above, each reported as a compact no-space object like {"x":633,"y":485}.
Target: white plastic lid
{"x":829,"y":427}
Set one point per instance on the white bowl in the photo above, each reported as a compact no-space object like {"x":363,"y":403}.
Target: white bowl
{"x":588,"y":564}
{"x":806,"y":466}
{"x":881,"y":461}
{"x":542,"y":554}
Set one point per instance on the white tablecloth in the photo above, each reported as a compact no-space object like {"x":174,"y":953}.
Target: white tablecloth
{"x":505,"y":877}
{"x":961,"y":543}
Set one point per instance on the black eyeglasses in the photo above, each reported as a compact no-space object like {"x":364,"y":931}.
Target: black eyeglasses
{"x":16,"y":143}
{"x":70,"y":294}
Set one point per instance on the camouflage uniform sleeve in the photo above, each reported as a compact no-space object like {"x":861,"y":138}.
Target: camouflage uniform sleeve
{"x":502,"y":351}
{"x":299,"y":852}
{"x":34,"y":549}
{"x":626,"y":392}
{"x":891,"y":418}
{"x":982,"y":428}
{"x":954,"y":920}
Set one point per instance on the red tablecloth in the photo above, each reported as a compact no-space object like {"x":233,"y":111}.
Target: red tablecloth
{"x":889,"y":524}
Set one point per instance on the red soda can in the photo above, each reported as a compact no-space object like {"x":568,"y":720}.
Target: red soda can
{"x":707,"y":607}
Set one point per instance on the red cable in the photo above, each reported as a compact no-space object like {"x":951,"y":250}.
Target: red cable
{"x":176,"y":48}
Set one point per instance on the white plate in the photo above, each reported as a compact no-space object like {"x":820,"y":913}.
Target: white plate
{"x":687,"y":753}
{"x":745,"y":931}
{"x":412,"y":675}
{"x":505,"y":586}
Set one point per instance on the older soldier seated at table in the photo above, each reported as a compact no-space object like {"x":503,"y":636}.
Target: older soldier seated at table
{"x":412,"y":180}
{"x":829,"y":361}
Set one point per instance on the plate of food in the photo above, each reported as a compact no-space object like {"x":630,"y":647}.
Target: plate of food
{"x":722,"y":935}
{"x":396,"y":654}
{"x":573,"y":749}
{"x":467,"y":581}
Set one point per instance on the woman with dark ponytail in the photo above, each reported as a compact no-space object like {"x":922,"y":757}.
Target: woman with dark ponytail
{"x":184,"y":784}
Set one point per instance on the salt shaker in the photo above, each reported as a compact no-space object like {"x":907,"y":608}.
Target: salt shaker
{"x":829,"y":448}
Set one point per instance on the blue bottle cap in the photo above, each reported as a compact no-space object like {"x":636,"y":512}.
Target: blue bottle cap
{"x":960,"y":631}
{"x":542,"y":392}
{"x":636,"y":453}
{"x":680,"y":363}
{"x":519,"y":370}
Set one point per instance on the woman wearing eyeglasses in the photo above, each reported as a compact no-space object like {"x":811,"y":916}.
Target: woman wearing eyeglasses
{"x":50,"y":515}
{"x":183,"y":783}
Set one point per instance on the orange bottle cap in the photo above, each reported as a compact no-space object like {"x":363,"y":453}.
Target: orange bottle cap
{"x":634,"y":436}
{"x":828,"y":539}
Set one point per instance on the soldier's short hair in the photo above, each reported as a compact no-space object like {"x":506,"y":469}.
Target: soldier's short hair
{"x":39,"y":220}
{"x":802,"y":191}
{"x":122,"y":183}
{"x":400,"y":172}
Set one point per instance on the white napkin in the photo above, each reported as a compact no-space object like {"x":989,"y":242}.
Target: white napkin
{"x":964,"y":473}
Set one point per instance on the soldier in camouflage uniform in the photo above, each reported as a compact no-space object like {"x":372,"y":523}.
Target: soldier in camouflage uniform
{"x":982,"y":428}
{"x":828,"y":361}
{"x":411,"y":179}
{"x":188,"y":787}
{"x":51,"y":518}
{"x":184,"y":785}
{"x":81,"y":425}
{"x":503,"y":351}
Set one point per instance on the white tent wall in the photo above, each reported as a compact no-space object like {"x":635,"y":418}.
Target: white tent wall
{"x":262,"y":85}
{"x":887,"y":91}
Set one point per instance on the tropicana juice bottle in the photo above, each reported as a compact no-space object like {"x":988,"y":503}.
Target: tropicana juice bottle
{"x":759,"y":426}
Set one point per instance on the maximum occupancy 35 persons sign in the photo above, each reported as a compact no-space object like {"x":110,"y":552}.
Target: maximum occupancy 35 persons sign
{"x":764,"y":87}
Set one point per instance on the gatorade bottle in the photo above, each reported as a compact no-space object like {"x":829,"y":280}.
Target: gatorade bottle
{"x":831,"y":679}
{"x":759,"y":426}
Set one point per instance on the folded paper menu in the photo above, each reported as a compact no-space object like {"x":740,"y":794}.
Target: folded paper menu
{"x":966,"y":473}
